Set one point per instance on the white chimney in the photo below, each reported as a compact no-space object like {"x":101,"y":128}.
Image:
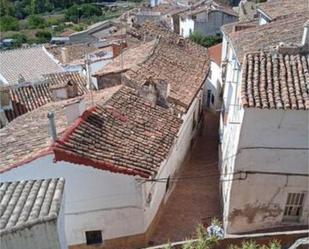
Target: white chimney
{"x":52,"y":126}
{"x":64,"y":55}
{"x":305,"y":39}
{"x":74,"y":109}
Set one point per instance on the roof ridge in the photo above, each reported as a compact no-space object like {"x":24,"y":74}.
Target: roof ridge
{"x":18,"y":49}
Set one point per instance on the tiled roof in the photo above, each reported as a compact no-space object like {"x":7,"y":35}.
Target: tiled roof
{"x":75,"y":52}
{"x":130,"y":58}
{"x":26,"y":203}
{"x":275,"y":81}
{"x":206,"y":8}
{"x":215,"y":53}
{"x":31,"y":63}
{"x":287,"y":30}
{"x":179,"y":62}
{"x":27,"y":137}
{"x":124,"y":135}
{"x":279,"y":8}
{"x":27,"y":97}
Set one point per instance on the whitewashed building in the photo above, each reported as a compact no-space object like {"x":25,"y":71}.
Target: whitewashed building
{"x":264,"y":125}
{"x":32,"y":214}
{"x":205,"y":19}
{"x":213,"y":89}
{"x":112,"y":153}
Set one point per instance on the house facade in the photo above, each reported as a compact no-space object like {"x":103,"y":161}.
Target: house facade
{"x":206,"y":19}
{"x":264,"y":139}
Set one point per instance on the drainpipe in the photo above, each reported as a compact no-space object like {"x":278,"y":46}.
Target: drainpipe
{"x":52,"y":125}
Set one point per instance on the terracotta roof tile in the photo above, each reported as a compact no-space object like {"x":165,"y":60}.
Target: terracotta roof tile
{"x":275,"y":81}
{"x":177,"y":61}
{"x":28,"y":136}
{"x":125,"y":134}
{"x":215,"y":53}
{"x":287,"y":30}
{"x":27,"y":97}
{"x":130,"y":57}
{"x":26,"y":203}
{"x":279,"y":8}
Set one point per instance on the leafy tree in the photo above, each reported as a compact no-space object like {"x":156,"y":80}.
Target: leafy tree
{"x":73,"y":13}
{"x":89,"y":10}
{"x":6,"y":8}
{"x":205,"y":41}
{"x":43,"y":36}
{"x":35,"y":21}
{"x":20,"y":10}
{"x":19,"y":38}
{"x":8,"y":23}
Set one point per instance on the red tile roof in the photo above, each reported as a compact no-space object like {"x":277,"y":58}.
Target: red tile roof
{"x":27,"y":97}
{"x":27,"y":137}
{"x":275,"y":81}
{"x":177,"y":61}
{"x":125,"y":135}
{"x":256,"y":38}
{"x":215,"y":53}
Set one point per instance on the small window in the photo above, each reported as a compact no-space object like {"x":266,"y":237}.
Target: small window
{"x":212,"y":99}
{"x":167,"y":184}
{"x":94,"y":237}
{"x":293,"y":207}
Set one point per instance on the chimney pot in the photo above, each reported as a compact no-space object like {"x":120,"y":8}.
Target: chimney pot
{"x":52,"y":125}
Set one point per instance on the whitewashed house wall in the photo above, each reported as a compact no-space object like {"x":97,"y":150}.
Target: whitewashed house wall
{"x":213,"y":84}
{"x":186,"y":26}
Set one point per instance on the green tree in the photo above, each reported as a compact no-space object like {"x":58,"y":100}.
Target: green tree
{"x":6,"y":8}
{"x":19,"y":38}
{"x":205,"y":41}
{"x":8,"y":23}
{"x":73,"y":13}
{"x":35,"y":21}
{"x":89,"y":10}
{"x":43,"y":36}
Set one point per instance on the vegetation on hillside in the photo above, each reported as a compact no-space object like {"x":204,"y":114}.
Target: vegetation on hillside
{"x":205,"y":41}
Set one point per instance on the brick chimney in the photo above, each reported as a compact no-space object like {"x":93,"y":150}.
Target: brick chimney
{"x":117,"y":48}
{"x":74,"y":109}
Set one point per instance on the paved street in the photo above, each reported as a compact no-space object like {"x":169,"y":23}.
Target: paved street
{"x":194,"y":200}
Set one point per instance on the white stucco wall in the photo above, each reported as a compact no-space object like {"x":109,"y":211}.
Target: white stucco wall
{"x":94,"y":199}
{"x":186,"y":26}
{"x":214,"y":84}
{"x":42,"y":236}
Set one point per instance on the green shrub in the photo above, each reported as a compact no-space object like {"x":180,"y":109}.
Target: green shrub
{"x":35,"y":21}
{"x":43,"y":36}
{"x":253,"y":245}
{"x":8,"y":23}
{"x":205,"y":41}
{"x":76,"y":12}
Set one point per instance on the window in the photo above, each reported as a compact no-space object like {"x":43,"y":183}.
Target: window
{"x":293,"y":207}
{"x":167,"y":184}
{"x":94,"y":237}
{"x":212,"y":99}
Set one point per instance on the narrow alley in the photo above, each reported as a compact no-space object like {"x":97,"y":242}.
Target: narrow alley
{"x":196,"y":197}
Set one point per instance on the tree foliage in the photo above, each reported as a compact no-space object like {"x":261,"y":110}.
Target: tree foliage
{"x":8,"y":23}
{"x":36,"y":21}
{"x":205,"y":41}
{"x":43,"y":36}
{"x":76,"y":12}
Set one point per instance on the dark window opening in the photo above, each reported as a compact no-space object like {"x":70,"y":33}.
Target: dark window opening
{"x":94,"y":237}
{"x":167,"y":184}
{"x":212,"y":99}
